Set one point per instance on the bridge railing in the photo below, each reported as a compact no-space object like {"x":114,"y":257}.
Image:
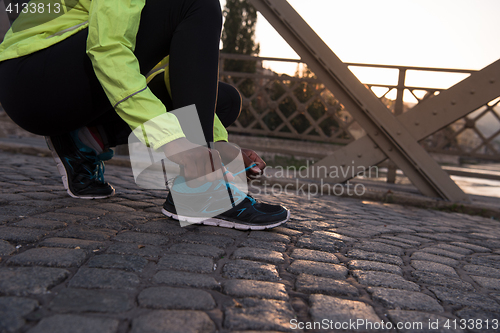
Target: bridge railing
{"x":299,"y":107}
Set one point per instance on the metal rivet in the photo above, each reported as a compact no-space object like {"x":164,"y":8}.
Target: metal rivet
{"x":359,"y":155}
{"x":417,"y":123}
{"x":390,"y":149}
{"x":398,"y":133}
{"x":376,"y":133}
{"x":453,"y":102}
{"x":434,"y":112}
{"x":492,"y":80}
{"x":472,"y":92}
{"x":375,"y":146}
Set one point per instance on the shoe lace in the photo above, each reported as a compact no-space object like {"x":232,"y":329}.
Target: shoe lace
{"x":97,"y":172}
{"x":234,"y":189}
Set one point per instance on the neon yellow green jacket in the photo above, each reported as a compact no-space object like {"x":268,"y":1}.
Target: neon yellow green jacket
{"x":112,"y":26}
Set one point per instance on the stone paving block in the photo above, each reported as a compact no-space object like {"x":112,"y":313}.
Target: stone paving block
{"x":401,"y":240}
{"x":141,"y":238}
{"x":40,"y":224}
{"x":486,"y":282}
{"x":483,"y":261}
{"x":482,"y":270}
{"x":12,"y":197}
{"x":98,"y":278}
{"x":91,"y":211}
{"x":393,"y":242}
{"x":421,"y":240}
{"x":175,"y":278}
{"x":20,"y":281}
{"x":367,"y":265}
{"x":269,"y":237}
{"x":442,"y":252}
{"x":257,"y":289}
{"x":382,"y":279}
{"x":405,"y":300}
{"x":183,"y":262}
{"x":113,"y":207}
{"x":62,"y":217}
{"x":494,"y":257}
{"x":83,"y":232}
{"x":72,"y":243}
{"x":471,"y":299}
{"x":333,"y":235}
{"x":475,"y":248}
{"x":356,"y":232}
{"x":115,"y":221}
{"x":6,"y":249}
{"x":164,"y":227}
{"x":214,"y":240}
{"x":418,"y":255}
{"x":435,"y":279}
{"x":311,"y":284}
{"x":488,"y":319}
{"x":428,"y":266}
{"x":373,"y":256}
{"x":21,"y":235}
{"x":258,"y":314}
{"x":417,"y":322}
{"x":287,"y":231}
{"x":340,"y":310}
{"x":21,"y":211}
{"x":249,"y":253}
{"x":208,"y":230}
{"x":197,"y":250}
{"x":176,"y":299}
{"x":12,"y":311}
{"x":173,"y":321}
{"x":314,"y":255}
{"x":379,"y":248}
{"x":126,"y":262}
{"x":250,"y":270}
{"x":306,"y":226}
{"x":75,"y":324}
{"x":320,"y":243}
{"x":135,"y":249}
{"x":49,"y":256}
{"x":318,"y":269}
{"x":273,"y":246}
{"x":88,"y":300}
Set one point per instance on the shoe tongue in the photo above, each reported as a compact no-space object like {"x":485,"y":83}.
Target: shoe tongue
{"x":85,"y":141}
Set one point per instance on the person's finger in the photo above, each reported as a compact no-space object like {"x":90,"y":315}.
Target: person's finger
{"x":261,"y":165}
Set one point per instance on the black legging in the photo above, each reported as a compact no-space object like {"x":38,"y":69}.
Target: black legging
{"x":55,"y":90}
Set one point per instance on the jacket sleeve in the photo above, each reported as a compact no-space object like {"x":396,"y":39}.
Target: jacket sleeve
{"x":113,"y":26}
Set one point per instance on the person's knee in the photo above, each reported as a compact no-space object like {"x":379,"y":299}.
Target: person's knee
{"x":212,"y":10}
{"x":228,"y":104}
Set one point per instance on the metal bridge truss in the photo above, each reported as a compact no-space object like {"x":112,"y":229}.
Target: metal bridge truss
{"x":388,"y":135}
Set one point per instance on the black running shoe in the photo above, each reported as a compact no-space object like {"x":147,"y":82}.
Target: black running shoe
{"x":246,"y":213}
{"x":81,"y":168}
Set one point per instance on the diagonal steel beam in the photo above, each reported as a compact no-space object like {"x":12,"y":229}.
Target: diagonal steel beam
{"x":384,"y":129}
{"x":425,"y":118}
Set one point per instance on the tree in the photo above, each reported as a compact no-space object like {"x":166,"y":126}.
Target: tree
{"x":238,"y":35}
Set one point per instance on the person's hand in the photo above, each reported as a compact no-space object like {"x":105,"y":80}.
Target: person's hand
{"x":198,"y":162}
{"x":251,"y":157}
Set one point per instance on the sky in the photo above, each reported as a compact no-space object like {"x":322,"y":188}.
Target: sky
{"x":427,"y":33}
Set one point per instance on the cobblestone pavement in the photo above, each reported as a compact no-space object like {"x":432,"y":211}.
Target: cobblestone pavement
{"x":119,"y":265}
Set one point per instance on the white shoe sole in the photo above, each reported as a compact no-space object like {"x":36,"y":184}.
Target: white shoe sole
{"x":212,"y":221}
{"x":64,"y":175}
